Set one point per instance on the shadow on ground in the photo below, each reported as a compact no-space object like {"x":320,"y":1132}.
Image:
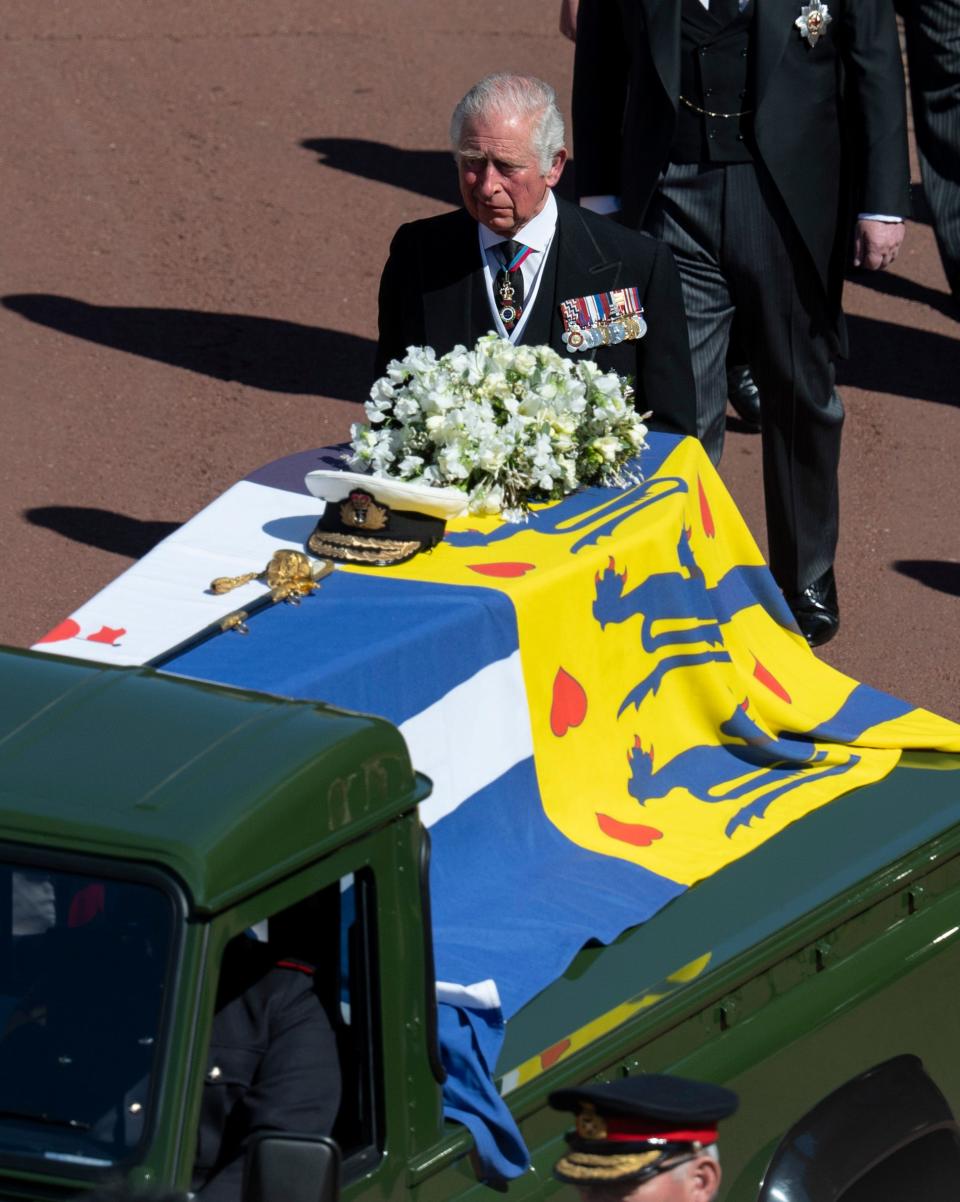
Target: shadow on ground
{"x":911,"y":290}
{"x":101,"y":528}
{"x":939,"y":574}
{"x":427,"y":172}
{"x":900,"y":360}
{"x":262,"y":352}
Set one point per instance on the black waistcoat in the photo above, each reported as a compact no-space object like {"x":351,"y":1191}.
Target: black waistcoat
{"x":715,"y":71}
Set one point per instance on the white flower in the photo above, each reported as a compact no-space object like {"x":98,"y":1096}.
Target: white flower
{"x":451,"y":465}
{"x":419,"y":359}
{"x":607,"y":446}
{"x":606,"y":383}
{"x":494,"y":499}
{"x":405,"y":408}
{"x":410,"y":465}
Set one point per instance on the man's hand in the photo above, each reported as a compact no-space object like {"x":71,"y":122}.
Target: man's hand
{"x":568,"y":18}
{"x":876,"y":243}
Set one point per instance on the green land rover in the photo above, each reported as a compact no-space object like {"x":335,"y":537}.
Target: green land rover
{"x":819,"y":976}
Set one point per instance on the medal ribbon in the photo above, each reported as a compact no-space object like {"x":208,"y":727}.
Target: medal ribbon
{"x":602,"y":307}
{"x":606,"y":318}
{"x":523,"y":253}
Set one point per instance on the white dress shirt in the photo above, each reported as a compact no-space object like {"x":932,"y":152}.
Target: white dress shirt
{"x":538,"y":235}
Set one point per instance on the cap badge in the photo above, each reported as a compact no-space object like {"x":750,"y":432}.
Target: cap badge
{"x":361,"y":511}
{"x":590,"y":1125}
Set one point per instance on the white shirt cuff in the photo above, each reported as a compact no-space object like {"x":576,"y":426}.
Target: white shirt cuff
{"x":879,"y":217}
{"x":601,"y":204}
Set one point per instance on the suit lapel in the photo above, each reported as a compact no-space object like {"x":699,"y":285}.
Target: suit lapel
{"x":582,"y":267}
{"x":704,"y":19}
{"x":773,"y":29}
{"x":455,"y":301}
{"x":663,"y":23}
{"x":479,"y":317}
{"x":538,"y":330}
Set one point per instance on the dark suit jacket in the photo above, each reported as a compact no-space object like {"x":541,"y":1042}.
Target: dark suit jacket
{"x":433,"y":293}
{"x":272,"y":1065}
{"x":830,"y":120}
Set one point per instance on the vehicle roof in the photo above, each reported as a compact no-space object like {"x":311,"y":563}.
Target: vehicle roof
{"x":229,"y":789}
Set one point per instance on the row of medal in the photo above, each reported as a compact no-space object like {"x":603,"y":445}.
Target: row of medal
{"x":603,"y":319}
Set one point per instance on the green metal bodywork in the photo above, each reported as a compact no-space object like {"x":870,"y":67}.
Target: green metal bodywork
{"x":830,"y":948}
{"x":228,"y":790}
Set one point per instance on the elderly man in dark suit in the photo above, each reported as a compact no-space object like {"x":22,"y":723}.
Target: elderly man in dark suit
{"x":515,"y":258}
{"x":749,"y":134}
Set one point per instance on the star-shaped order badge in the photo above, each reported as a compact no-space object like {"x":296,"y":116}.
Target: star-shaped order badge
{"x":813,"y":21}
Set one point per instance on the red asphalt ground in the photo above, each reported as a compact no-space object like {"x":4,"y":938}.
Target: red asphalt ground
{"x":197,"y":202}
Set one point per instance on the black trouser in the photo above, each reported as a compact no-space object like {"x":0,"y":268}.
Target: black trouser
{"x":738,"y":251}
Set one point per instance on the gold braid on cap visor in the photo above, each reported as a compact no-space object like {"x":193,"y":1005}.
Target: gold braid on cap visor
{"x":353,"y":547}
{"x":592,"y":1166}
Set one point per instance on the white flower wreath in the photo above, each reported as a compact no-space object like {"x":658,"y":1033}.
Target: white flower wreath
{"x":508,"y":425}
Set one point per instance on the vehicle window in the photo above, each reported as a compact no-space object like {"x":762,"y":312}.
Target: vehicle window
{"x":358,"y":1129}
{"x":292,"y":1045}
{"x":83,"y":960}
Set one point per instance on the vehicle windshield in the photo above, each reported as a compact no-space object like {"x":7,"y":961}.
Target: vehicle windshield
{"x":83,"y":962}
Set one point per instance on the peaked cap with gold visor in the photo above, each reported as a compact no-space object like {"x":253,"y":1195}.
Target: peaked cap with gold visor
{"x":631,"y":1130}
{"x":374,"y":521}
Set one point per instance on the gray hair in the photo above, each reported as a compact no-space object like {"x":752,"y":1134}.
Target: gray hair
{"x":685,"y":1167}
{"x":514,"y":95}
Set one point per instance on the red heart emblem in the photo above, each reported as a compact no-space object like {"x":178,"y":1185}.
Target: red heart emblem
{"x":569,"y":706}
{"x":553,"y":1054}
{"x":628,"y":832}
{"x":706,"y":516}
{"x":67,"y":629}
{"x":503,"y":570}
{"x":765,"y":676}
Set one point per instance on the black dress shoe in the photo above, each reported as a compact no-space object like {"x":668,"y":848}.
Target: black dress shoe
{"x":744,"y":395}
{"x":816,"y":610}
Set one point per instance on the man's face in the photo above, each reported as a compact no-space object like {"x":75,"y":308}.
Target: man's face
{"x":500,"y":178}
{"x":696,"y":1181}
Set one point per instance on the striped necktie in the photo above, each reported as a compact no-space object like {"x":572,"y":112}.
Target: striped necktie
{"x":508,"y":285}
